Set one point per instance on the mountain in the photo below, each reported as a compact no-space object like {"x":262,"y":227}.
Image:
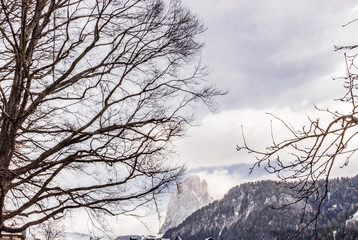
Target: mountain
{"x":246,"y":212}
{"x":188,"y":196}
{"x":137,"y":237}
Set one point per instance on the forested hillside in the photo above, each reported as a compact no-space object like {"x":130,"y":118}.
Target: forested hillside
{"x":246,"y":212}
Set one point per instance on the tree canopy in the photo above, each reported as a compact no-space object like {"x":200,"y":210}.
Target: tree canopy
{"x":92,"y":94}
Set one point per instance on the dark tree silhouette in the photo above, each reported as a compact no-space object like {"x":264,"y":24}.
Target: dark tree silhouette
{"x":310,"y":154}
{"x":50,"y":230}
{"x":92,"y":94}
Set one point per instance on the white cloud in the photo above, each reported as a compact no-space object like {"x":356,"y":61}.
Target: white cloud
{"x":353,"y":14}
{"x":214,"y":141}
{"x":110,"y":227}
{"x":221,"y":181}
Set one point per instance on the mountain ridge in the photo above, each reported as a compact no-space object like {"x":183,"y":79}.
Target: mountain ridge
{"x":246,"y":212}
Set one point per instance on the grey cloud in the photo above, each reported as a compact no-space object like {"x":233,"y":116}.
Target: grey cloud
{"x":261,"y":49}
{"x":242,"y":169}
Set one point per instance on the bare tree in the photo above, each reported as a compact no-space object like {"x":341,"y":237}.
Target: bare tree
{"x":92,"y":94}
{"x":50,"y":230}
{"x":304,"y":161}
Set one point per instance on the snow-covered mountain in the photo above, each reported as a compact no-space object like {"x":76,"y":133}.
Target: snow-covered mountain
{"x":188,"y":196}
{"x":137,"y":237}
{"x":246,"y":212}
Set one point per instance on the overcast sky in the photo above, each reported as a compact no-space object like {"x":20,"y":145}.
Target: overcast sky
{"x":271,"y":53}
{"x":273,"y":56}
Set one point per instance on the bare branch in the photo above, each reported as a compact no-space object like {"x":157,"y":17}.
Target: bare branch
{"x":92,"y":96}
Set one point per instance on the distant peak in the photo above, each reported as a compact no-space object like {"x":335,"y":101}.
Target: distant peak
{"x":188,"y":196}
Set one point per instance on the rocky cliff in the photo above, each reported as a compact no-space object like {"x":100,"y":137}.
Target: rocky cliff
{"x":188,"y":196}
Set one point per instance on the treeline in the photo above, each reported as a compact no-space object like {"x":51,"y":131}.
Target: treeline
{"x":249,"y":211}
